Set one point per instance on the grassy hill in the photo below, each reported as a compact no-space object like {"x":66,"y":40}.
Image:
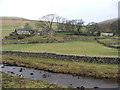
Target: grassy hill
{"x":12,"y":17}
{"x":105,"y":25}
{"x":9,"y":24}
{"x":14,"y":21}
{"x":108,"y":21}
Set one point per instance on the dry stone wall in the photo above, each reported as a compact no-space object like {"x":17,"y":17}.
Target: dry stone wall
{"x":108,"y":60}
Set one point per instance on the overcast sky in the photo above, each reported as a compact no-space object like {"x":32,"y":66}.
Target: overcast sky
{"x":88,"y":10}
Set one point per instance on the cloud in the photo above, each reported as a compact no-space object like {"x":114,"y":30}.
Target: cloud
{"x":89,"y":10}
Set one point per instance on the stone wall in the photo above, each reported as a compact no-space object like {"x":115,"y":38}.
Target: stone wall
{"x":32,"y":42}
{"x":108,"y":60}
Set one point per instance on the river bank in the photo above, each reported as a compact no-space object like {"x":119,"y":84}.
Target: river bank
{"x":107,"y":71}
{"x":9,"y":81}
{"x":66,"y":80}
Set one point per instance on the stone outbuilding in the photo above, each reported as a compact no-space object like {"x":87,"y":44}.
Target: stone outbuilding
{"x":45,"y":32}
{"x":106,"y":34}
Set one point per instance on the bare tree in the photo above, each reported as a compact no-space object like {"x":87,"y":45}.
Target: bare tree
{"x":73,"y":24}
{"x":47,"y":21}
{"x":92,"y":28}
{"x":69,"y":25}
{"x":60,"y":23}
{"x":64,"y":24}
{"x":79,"y":24}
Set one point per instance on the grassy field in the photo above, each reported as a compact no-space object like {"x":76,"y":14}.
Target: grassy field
{"x":111,"y":40}
{"x":9,"y":81}
{"x":79,"y":68}
{"x":81,"y":48}
{"x":9,"y":24}
{"x":6,"y":30}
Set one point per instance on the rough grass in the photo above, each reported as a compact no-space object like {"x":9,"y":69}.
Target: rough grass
{"x":14,"y":22}
{"x":110,"y":40}
{"x":6,"y":30}
{"x":9,"y":24}
{"x":80,"y":48}
{"x":9,"y":81}
{"x":37,"y":38}
{"x":57,"y":37}
{"x":72,"y":67}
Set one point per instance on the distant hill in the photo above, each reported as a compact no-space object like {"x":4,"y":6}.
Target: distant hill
{"x":108,"y":21}
{"x":9,"y":24}
{"x":18,"y":21}
{"x":106,"y":25}
{"x":12,"y":18}
{"x":15,"y":21}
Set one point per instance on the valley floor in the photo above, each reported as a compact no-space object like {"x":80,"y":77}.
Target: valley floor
{"x":78,"y":68}
{"x":9,"y":81}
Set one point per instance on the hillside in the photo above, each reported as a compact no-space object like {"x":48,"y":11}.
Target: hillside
{"x":106,"y":25}
{"x":12,"y":17}
{"x":18,"y":21}
{"x":10,"y":23}
{"x":15,"y":21}
{"x":108,"y":21}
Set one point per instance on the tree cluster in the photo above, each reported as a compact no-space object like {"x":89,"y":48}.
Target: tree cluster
{"x":63,"y":24}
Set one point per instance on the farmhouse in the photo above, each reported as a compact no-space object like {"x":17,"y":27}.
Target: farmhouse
{"x":24,"y":31}
{"x":106,"y":34}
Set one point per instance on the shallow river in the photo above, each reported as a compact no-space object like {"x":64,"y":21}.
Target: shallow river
{"x":58,"y":78}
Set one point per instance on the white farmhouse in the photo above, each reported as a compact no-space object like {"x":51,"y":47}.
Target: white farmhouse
{"x":106,"y":34}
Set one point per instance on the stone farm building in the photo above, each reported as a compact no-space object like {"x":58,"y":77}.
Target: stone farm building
{"x":24,"y":31}
{"x":33,"y":32}
{"x":106,"y":34}
{"x":45,"y":32}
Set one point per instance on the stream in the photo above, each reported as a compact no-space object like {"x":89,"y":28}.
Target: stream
{"x":57,"y":78}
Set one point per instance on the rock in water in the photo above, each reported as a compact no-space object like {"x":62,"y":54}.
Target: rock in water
{"x":82,"y":88}
{"x":31,"y":73}
{"x":20,"y":70}
{"x":50,"y":70}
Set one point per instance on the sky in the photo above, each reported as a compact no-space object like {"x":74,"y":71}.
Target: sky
{"x":88,"y":10}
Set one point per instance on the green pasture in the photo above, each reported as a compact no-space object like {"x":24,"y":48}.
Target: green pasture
{"x":81,"y":48}
{"x":109,"y":40}
{"x":6,"y":30}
